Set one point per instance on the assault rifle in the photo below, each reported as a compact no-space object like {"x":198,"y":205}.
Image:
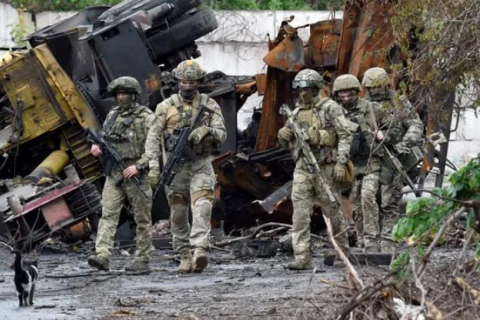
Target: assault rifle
{"x":302,"y":138}
{"x":112,"y":159}
{"x":395,"y":165}
{"x":181,"y":149}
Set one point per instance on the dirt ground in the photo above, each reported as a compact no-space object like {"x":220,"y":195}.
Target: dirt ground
{"x":229,"y":289}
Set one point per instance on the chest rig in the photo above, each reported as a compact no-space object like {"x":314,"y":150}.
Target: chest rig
{"x":184,"y":119}
{"x":124,"y":130}
{"x":316,"y":118}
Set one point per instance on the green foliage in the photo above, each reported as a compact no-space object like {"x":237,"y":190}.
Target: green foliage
{"x":19,"y":30}
{"x":400,"y":265}
{"x":424,"y":215}
{"x":59,"y":5}
{"x":440,"y":42}
{"x":67,"y":5}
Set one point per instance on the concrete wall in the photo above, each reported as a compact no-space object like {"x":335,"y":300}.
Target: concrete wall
{"x":240,"y":42}
{"x":9,"y":17}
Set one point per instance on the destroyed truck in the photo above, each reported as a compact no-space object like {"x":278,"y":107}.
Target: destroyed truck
{"x":52,"y":92}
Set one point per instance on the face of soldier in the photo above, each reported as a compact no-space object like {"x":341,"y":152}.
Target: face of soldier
{"x":347,"y":98}
{"x":377,"y":93}
{"x":125,"y":100}
{"x":188,"y":89}
{"x":306,"y":95}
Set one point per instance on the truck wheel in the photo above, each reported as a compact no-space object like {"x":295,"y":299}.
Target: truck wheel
{"x":182,"y":32}
{"x":126,"y":8}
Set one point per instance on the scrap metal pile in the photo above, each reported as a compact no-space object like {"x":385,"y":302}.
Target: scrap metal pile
{"x":52,"y":92}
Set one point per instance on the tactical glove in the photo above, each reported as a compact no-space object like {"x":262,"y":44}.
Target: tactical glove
{"x":198,"y":134}
{"x":344,"y":173}
{"x":401,"y":147}
{"x":285,"y":133}
{"x":339,"y":172}
{"x":154,"y":177}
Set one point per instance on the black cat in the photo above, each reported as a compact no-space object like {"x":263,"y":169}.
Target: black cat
{"x":25,"y":280}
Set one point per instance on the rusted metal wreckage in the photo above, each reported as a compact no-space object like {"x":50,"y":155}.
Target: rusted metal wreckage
{"x":257,"y":186}
{"x":52,"y":92}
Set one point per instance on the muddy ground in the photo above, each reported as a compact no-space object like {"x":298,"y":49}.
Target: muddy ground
{"x":229,"y":289}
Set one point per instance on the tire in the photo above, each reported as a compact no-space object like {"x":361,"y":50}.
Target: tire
{"x":124,"y":9}
{"x":183,"y":32}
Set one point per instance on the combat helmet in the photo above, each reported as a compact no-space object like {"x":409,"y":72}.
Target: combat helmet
{"x":375,"y":77}
{"x":124,"y":84}
{"x":307,"y":78}
{"x":346,"y":82}
{"x":189,"y":70}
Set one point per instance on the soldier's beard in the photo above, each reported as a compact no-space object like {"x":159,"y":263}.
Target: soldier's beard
{"x":126,"y":102}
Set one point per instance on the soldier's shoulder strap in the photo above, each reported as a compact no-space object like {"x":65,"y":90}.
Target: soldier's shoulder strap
{"x":111,"y":117}
{"x":142,"y":109}
{"x":177,"y":101}
{"x":372,"y":115}
{"x":295,"y":112}
{"x":322,"y":102}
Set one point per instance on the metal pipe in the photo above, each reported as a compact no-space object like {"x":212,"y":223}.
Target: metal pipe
{"x":51,"y":166}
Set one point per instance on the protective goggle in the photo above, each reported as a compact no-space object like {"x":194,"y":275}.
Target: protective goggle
{"x":302,"y":84}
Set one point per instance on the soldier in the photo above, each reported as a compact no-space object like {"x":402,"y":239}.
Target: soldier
{"x":125,"y":129}
{"x":194,"y":182}
{"x":376,"y":84}
{"x":365,"y":154}
{"x":329,"y":138}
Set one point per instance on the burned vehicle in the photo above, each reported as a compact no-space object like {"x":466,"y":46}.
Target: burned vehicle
{"x":51,"y":93}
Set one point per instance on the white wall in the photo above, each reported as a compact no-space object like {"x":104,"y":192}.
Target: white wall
{"x":9,"y":17}
{"x":239,"y":44}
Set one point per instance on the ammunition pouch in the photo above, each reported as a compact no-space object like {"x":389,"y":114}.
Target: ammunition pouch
{"x":206,"y":147}
{"x":328,"y":138}
{"x":360,"y":149}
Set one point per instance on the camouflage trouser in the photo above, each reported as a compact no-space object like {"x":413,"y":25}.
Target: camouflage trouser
{"x":113,"y":198}
{"x":390,"y":212}
{"x":194,"y":182}
{"x":306,"y":193}
{"x":365,"y":210}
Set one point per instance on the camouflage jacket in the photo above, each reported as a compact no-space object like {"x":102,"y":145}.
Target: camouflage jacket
{"x":126,"y":132}
{"x":333,"y":137}
{"x":410,"y":128}
{"x":365,"y":119}
{"x":175,"y":113}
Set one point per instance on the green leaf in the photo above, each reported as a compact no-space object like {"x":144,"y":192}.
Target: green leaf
{"x":413,"y":206}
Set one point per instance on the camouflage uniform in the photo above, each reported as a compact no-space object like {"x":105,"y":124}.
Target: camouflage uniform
{"x":330,"y":140}
{"x":365,"y":154}
{"x":407,"y":133}
{"x":125,"y":129}
{"x":195,"y":180}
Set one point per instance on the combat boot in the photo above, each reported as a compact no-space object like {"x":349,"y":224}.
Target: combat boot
{"x":200,"y":260}
{"x":185,"y":263}
{"x":301,"y":263}
{"x":99,"y":262}
{"x":137,"y":266}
